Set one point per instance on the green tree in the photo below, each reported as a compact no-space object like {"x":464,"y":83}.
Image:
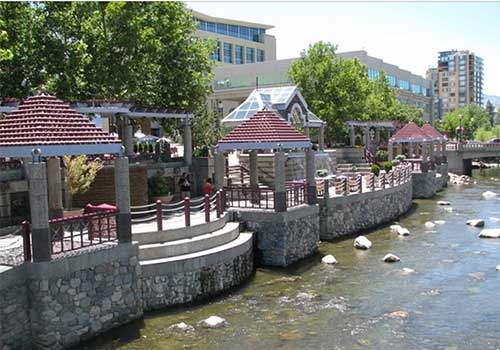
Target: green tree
{"x":335,"y":89}
{"x":469,"y":119}
{"x":381,"y":103}
{"x":5,"y":52}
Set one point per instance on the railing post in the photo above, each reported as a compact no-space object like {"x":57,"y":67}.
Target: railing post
{"x":360,"y":180}
{"x":345,"y":186}
{"x":26,"y":240}
{"x":242,"y":175}
{"x":218,"y":203}
{"x":372,"y":182}
{"x":382,"y":182}
{"x":187,"y":211}
{"x":326,"y":188}
{"x":159,"y":216}
{"x":207,"y":208}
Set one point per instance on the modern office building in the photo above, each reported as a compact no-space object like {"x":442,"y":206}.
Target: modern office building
{"x":432,"y":76}
{"x":233,"y":83}
{"x":237,"y":42}
{"x":459,"y":79}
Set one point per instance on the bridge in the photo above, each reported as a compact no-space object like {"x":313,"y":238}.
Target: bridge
{"x":460,"y":155}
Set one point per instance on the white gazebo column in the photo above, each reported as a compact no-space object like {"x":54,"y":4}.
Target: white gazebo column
{"x":128,"y":136}
{"x":311,"y":176}
{"x":352,"y":136}
{"x":377,"y":136}
{"x":40,"y":232}
{"x":219,"y":165}
{"x":122,"y":196}
{"x":253,"y":170}
{"x":306,"y":130}
{"x":54,"y":187}
{"x":366,"y":136}
{"x":443,"y":152}
{"x":321,"y":141}
{"x":431,"y":152}
{"x":390,"y":151}
{"x":410,"y":150}
{"x":425,"y":165}
{"x":399,"y":148}
{"x":188,"y":143}
{"x":279,"y":182}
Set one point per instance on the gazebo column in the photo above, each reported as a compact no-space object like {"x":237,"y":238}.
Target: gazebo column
{"x":321,"y":141}
{"x":279,"y":182}
{"x":306,"y":130}
{"x":55,"y":187}
{"x":431,"y":153}
{"x":410,"y":150}
{"x":425,"y":164}
{"x":352,"y":136}
{"x":40,"y":231}
{"x":377,"y":136}
{"x":365,"y":137}
{"x":311,"y":176}
{"x":399,"y":148}
{"x":219,"y":167}
{"x":390,"y":151}
{"x":254,"y":175}
{"x":128,"y":136}
{"x":188,"y":143}
{"x":443,"y":152}
{"x":122,"y":196}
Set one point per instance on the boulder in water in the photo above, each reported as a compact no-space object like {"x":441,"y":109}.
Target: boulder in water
{"x":395,"y":228}
{"x":443,"y":203}
{"x":182,"y":327}
{"x":490,"y":233}
{"x":407,"y":270}
{"x":475,"y":223}
{"x":498,"y":267}
{"x":362,"y":242}
{"x":390,"y":258}
{"x":429,"y":224}
{"x":214,"y":322}
{"x":403,"y":231}
{"x":398,"y":314}
{"x":489,"y":194}
{"x":329,"y":259}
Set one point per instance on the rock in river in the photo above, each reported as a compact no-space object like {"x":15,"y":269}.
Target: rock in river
{"x":498,"y":267}
{"x":489,"y":194}
{"x":402,"y":231}
{"x":329,"y":259}
{"x":443,"y":203}
{"x":475,"y":223}
{"x":390,"y":258}
{"x":490,"y":233}
{"x":395,"y":228}
{"x":362,"y":242}
{"x":429,"y":224}
{"x":214,"y":322}
{"x":182,"y":327}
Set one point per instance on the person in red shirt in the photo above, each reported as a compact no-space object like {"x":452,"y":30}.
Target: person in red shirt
{"x":207,"y":188}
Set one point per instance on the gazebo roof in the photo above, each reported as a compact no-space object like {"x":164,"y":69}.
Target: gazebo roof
{"x":265,"y":130}
{"x":372,"y":123}
{"x":431,"y":131}
{"x":411,"y":133}
{"x":47,"y":123}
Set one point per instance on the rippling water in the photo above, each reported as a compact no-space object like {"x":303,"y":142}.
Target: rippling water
{"x":451,"y":301}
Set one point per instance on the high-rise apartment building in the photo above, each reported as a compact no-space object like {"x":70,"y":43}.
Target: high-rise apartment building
{"x":238,"y":42}
{"x":432,"y":75}
{"x":459,"y":80}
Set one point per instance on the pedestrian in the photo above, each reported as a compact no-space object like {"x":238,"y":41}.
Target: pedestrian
{"x":207,"y":188}
{"x":185,"y":185}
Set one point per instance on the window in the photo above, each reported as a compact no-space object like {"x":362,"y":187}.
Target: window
{"x":238,"y":54}
{"x":425,"y":91}
{"x":391,"y":80}
{"x":228,"y":53}
{"x":247,"y":33}
{"x":215,"y":55}
{"x":250,"y":52}
{"x":403,"y":84}
{"x":415,"y":88}
{"x":202,"y":25}
{"x":221,"y":28}
{"x":211,"y":27}
{"x":233,"y":31}
{"x":373,"y":74}
{"x":260,"y":55}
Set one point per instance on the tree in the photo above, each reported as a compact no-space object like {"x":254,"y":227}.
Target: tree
{"x":490,"y":109}
{"x":80,"y":173}
{"x":469,"y":119}
{"x":335,"y":89}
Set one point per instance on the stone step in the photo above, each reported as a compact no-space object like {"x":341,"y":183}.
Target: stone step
{"x":181,"y":232}
{"x":190,"y":245}
{"x":194,"y":261}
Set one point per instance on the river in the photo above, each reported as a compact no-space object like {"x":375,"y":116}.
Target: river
{"x":450,"y":301}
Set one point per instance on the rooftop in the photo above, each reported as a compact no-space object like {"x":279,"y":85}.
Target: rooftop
{"x":411,"y":133}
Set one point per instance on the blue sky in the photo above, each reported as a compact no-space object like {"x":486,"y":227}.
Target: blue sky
{"x":406,"y":34}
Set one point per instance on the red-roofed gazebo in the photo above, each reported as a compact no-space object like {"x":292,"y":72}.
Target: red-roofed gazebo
{"x":440,"y":139}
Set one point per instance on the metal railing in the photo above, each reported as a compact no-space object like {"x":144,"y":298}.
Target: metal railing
{"x":296,"y":194}
{"x":249,"y":197}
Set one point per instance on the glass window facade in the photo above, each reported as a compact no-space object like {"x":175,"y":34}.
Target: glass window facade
{"x":373,"y":73}
{"x":403,"y":84}
{"x":250,"y":54}
{"x":260,"y":55}
{"x":215,"y":55}
{"x":415,"y":88}
{"x":238,"y":54}
{"x":228,"y":53}
{"x":391,"y":80}
{"x":242,"y":32}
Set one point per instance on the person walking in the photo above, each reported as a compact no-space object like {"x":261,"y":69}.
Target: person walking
{"x":185,"y":185}
{"x":207,"y":188}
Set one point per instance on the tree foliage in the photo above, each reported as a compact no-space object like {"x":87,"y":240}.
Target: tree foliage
{"x":469,"y":118}
{"x":80,"y":173}
{"x":339,"y":89}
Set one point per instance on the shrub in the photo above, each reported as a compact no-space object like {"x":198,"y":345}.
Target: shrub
{"x":400,"y":157}
{"x":396,"y":162}
{"x":159,"y":185}
{"x":382,"y":156}
{"x":322,"y":173}
{"x":387,"y":166}
{"x":375,"y":169}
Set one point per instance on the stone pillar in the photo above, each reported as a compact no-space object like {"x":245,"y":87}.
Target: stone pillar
{"x":311,"y":177}
{"x":306,"y":130}
{"x":55,"y":187}
{"x":122,"y":196}
{"x":431,"y":152}
{"x":410,"y":150}
{"x":254,"y":175}
{"x":128,"y":136}
{"x":425,"y":165}
{"x":352,"y":136}
{"x":219,"y":165}
{"x":279,"y":182}
{"x":399,"y":148}
{"x":321,"y":141}
{"x":188,"y":143}
{"x":390,"y":151}
{"x":366,"y":137}
{"x":40,"y":232}
{"x":443,"y":151}
{"x":377,"y":136}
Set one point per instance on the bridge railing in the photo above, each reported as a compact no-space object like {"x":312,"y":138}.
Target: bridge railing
{"x":473,"y":146}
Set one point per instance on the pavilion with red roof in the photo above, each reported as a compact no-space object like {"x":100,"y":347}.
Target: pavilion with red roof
{"x":267,"y":131}
{"x":441,"y":142}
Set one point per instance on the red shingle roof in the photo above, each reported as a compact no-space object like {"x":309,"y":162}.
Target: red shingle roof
{"x":411,"y":133}
{"x":43,"y":120}
{"x":431,"y":131}
{"x":264,"y":130}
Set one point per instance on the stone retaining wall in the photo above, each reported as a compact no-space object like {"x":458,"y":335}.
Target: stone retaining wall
{"x":426,"y":185}
{"x":341,"y":216}
{"x":283,"y":238}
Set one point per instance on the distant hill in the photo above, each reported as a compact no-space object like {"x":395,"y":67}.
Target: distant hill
{"x":494,"y":99}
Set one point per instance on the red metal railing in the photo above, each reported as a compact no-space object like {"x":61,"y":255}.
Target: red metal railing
{"x":78,"y":232}
{"x":295,"y":194}
{"x":249,"y":197}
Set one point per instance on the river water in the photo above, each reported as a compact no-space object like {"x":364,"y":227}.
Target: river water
{"x":451,"y":301}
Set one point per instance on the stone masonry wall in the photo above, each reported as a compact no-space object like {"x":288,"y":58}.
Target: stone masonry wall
{"x":425,"y":185}
{"x":341,"y":216}
{"x":75,"y":298}
{"x":167,"y":285}
{"x":283,"y":238}
{"x":14,"y":310}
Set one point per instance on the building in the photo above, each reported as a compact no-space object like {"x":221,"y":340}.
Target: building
{"x":432,"y":76}
{"x":238,"y":42}
{"x":459,"y":79}
{"x":233,"y":83}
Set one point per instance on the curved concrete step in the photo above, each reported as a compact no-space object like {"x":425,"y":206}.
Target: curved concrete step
{"x":181,"y":232}
{"x":195,"y":261}
{"x":190,"y":245}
